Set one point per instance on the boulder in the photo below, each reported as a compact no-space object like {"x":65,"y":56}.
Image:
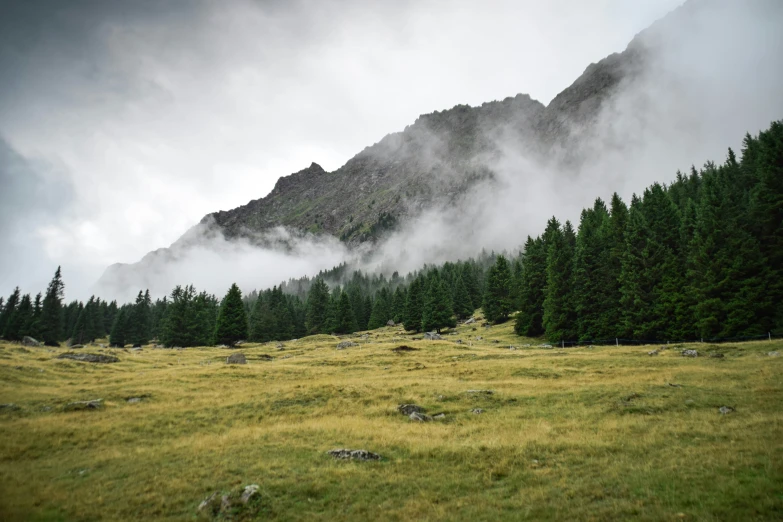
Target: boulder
{"x":690,"y":353}
{"x":390,"y":323}
{"x":280,"y":346}
{"x":407,"y":409}
{"x":652,"y":352}
{"x":249,"y":492}
{"x":470,"y":321}
{"x":209,"y":504}
{"x":349,"y":454}
{"x":9,"y":407}
{"x":419,"y":417}
{"x":236,"y":358}
{"x":477,"y":411}
{"x":133,"y":400}
{"x":88,"y":357}
{"x":95,"y":404}
{"x":432,"y":336}
{"x":77,"y":346}
{"x":774,"y":354}
{"x":346,"y":344}
{"x":725,"y":409}
{"x":29,"y":341}
{"x":439,"y":416}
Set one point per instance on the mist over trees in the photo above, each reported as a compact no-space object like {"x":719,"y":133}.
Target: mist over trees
{"x":700,"y":258}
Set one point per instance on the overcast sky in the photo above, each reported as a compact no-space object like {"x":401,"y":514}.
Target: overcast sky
{"x":122,"y":123}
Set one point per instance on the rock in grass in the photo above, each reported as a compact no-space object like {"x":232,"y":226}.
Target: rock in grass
{"x":29,"y":341}
{"x":9,"y":407}
{"x":652,"y":352}
{"x":346,"y":344}
{"x":407,"y":409}
{"x":470,"y":321}
{"x":716,"y":355}
{"x":419,"y":417}
{"x":433,"y":336}
{"x":477,"y":411}
{"x":209,"y":503}
{"x":248,"y":493}
{"x":774,"y":354}
{"x":483,"y":392}
{"x":725,"y":409}
{"x":349,"y":454}
{"x":690,"y":353}
{"x":236,"y":358}
{"x":439,"y":416}
{"x":95,"y":404}
{"x":89,"y":357}
{"x":390,"y":322}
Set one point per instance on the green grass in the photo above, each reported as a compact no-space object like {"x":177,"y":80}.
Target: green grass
{"x":575,"y":434}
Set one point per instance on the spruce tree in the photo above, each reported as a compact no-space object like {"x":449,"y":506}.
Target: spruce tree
{"x":559,"y":307}
{"x":35,"y":329}
{"x":463,"y":306}
{"x":118,"y":334}
{"x":345,"y":321}
{"x":592,"y":276}
{"x":8,"y":310}
{"x":398,"y":304}
{"x":414,"y":305}
{"x":381,"y":309}
{"x":497,"y":296}
{"x":139,"y":321}
{"x":20,"y":320}
{"x":51,"y":311}
{"x":530,"y":319}
{"x":437,"y":311}
{"x":79,"y":333}
{"x":231,"y":321}
{"x":317,"y":307}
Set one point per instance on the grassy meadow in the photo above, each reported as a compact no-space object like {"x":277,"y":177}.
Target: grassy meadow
{"x":576,"y":434}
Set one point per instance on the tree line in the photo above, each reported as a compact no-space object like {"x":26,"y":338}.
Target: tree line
{"x":699,"y":258}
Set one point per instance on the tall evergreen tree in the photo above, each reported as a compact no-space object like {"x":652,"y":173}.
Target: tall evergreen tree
{"x":8,"y":310}
{"x":79,"y":333}
{"x":119,"y":330}
{"x":437,"y":311}
{"x":35,"y":329}
{"x":317,"y":307}
{"x":51,"y":311}
{"x":560,"y":320}
{"x":381,"y":309}
{"x":232,"y":321}
{"x":345,"y":321}
{"x":463,"y":305}
{"x":530,"y":320}
{"x":414,"y":305}
{"x":19,"y":323}
{"x":497,"y":296}
{"x":140,"y":320}
{"x":592,"y":276}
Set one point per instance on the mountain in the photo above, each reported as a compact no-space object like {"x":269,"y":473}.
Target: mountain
{"x":663,"y":93}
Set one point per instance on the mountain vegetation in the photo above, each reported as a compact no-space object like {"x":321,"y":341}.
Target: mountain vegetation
{"x":699,"y":258}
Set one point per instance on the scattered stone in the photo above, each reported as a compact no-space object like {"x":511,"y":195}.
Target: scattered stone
{"x":673,"y":385}
{"x":84,"y":405}
{"x":717,"y":355}
{"x":134,"y":400}
{"x":471,"y":320}
{"x":487,"y":325}
{"x":219,"y":346}
{"x":248,"y":493}
{"x":280,"y":346}
{"x":29,"y":341}
{"x":9,"y":407}
{"x":209,"y":503}
{"x":236,"y":358}
{"x":77,"y":346}
{"x":239,"y":343}
{"x":439,"y":416}
{"x":495,"y":341}
{"x":433,"y":336}
{"x":629,"y":398}
{"x":404,"y":348}
{"x":266,"y":357}
{"x":89,"y":357}
{"x":458,"y":341}
{"x":346,"y":344}
{"x":774,"y":354}
{"x":485,"y":392}
{"x":407,"y":409}
{"x":365,"y":337}
{"x":136,"y":346}
{"x":652,"y":352}
{"x":477,"y":411}
{"x":546,"y":346}
{"x":725,"y":409}
{"x":342,"y":453}
{"x":390,"y":322}
{"x":137,"y":350}
{"x":419,"y":417}
{"x":690,"y":353}
{"x":479,"y":338}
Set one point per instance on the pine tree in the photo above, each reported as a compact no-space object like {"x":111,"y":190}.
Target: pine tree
{"x":20,"y":320}
{"x":51,"y":311}
{"x":345,"y":321}
{"x":8,"y":310}
{"x":317,"y":307}
{"x":139,"y":321}
{"x":118,"y":334}
{"x":232,"y":321}
{"x":497,"y":296}
{"x":381,"y":309}
{"x":262,"y":322}
{"x":463,"y":306}
{"x":592,"y":275}
{"x":35,"y":328}
{"x":398,"y":304}
{"x":79,"y":333}
{"x":437,"y":311}
{"x":559,"y":308}
{"x":414,"y":305}
{"x":530,"y":320}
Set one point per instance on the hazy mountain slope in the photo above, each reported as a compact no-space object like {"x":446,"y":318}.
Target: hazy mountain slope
{"x":680,"y":87}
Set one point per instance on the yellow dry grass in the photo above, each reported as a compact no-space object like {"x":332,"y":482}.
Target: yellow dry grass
{"x":575,"y":434}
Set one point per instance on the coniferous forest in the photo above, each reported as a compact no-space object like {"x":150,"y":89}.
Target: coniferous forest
{"x":700,"y":258}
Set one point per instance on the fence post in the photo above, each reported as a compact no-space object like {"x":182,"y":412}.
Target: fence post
{"x":616,"y":342}
{"x":562,"y":343}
